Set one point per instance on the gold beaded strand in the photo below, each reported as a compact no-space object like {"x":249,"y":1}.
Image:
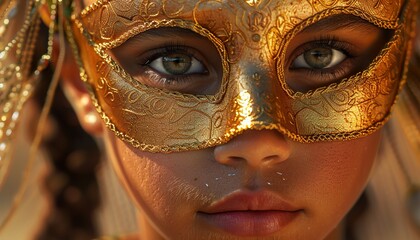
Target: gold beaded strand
{"x":23,"y":84}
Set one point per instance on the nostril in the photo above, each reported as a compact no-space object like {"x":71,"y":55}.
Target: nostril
{"x":271,"y":158}
{"x":236,"y":159}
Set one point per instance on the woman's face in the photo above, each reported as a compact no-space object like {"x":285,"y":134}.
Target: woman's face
{"x":259,"y":184}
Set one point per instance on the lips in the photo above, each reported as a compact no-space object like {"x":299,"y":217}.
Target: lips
{"x":246,"y":213}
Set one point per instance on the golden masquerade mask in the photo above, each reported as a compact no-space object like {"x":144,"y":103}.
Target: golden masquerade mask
{"x":251,"y":38}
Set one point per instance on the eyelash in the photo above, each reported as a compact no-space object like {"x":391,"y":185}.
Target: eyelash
{"x":168,"y":48}
{"x":327,"y":41}
{"x":165,"y":49}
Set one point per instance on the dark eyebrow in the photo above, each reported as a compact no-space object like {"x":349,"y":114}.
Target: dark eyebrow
{"x":340,"y":21}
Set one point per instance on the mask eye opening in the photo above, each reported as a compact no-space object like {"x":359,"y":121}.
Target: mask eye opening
{"x":326,"y":43}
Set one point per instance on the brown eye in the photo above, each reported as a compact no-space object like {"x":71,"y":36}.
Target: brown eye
{"x":330,"y":51}
{"x":173,"y":59}
{"x":176,"y":64}
{"x":319,"y":58}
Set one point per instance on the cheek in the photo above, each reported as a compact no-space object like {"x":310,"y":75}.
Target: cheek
{"x":332,"y":175}
{"x":145,"y":181}
{"x":150,"y":185}
{"x":165,"y":187}
{"x":340,"y":171}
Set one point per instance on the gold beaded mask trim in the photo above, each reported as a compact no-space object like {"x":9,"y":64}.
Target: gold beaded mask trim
{"x":251,"y":38}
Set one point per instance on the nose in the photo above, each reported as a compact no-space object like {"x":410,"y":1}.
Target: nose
{"x":256,"y":148}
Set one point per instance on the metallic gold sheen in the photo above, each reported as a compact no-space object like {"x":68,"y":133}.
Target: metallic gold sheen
{"x":18,"y":31}
{"x":251,"y":37}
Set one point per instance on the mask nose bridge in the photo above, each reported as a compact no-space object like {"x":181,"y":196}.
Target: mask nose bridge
{"x":257,"y":104}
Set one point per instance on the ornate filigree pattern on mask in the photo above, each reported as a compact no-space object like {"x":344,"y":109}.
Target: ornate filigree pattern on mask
{"x":251,"y":37}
